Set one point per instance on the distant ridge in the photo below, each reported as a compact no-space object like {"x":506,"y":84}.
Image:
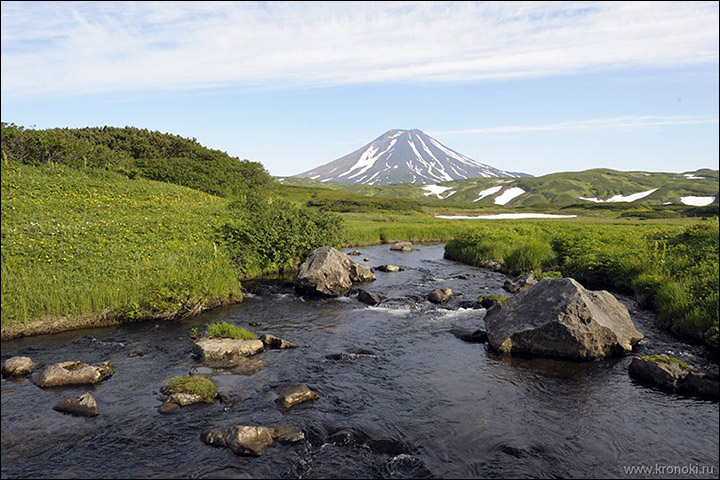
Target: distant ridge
{"x":404,"y":156}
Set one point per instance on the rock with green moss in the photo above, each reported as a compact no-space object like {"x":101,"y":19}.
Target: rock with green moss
{"x":672,"y":375}
{"x":183,"y":391}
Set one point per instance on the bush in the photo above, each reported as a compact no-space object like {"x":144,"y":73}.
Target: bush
{"x":228,"y":330}
{"x":195,"y":385}
{"x":274,"y":235}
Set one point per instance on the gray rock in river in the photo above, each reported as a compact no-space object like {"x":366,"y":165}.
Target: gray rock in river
{"x":271,"y":341}
{"x":673,"y":376}
{"x":470,"y":336}
{"x":225,"y":352}
{"x":287,"y":434}
{"x":241,"y":439}
{"x":329,"y":272}
{"x":72,"y":373}
{"x":402,"y":246}
{"x":291,"y":395}
{"x":519,"y":284}
{"x":369,"y":298}
{"x":83,"y":405}
{"x":558,"y":317}
{"x":389,"y":268}
{"x":440,"y":295}
{"x":18,"y":367}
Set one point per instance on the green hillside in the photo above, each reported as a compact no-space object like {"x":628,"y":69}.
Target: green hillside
{"x":135,"y":153}
{"x":554,"y":190}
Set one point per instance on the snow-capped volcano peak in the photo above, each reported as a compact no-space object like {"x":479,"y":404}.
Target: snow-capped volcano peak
{"x":403,"y":156}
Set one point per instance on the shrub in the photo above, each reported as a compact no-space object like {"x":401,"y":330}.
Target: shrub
{"x":194,"y":384}
{"x":228,"y":330}
{"x":273,"y":235}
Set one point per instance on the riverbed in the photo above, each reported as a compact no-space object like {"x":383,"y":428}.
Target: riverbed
{"x":422,"y":404}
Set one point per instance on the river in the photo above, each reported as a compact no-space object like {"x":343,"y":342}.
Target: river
{"x":426,"y":404}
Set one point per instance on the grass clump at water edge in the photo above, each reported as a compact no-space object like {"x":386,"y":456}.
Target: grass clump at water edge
{"x":195,"y":385}
{"x":228,"y":330}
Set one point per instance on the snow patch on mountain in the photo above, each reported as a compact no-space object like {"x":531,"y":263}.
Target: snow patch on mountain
{"x":697,"y":201}
{"x":508,"y":195}
{"x":621,"y":198}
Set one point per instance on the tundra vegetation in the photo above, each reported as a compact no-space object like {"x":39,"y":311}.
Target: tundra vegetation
{"x":121,"y":224}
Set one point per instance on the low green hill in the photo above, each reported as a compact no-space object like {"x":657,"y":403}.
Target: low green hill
{"x":136,"y":152}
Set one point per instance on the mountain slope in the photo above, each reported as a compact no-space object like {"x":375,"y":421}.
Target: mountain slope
{"x":403,"y":156}
{"x":556,"y":189}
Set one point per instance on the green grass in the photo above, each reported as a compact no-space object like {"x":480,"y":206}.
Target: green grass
{"x":664,"y":359}
{"x":97,"y":243}
{"x":228,"y":330}
{"x":194,"y":384}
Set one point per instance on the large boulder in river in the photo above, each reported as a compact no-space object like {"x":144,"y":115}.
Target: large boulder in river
{"x":328,"y":271}
{"x":241,"y":439}
{"x":558,"y":317}
{"x":18,"y":367}
{"x":73,"y":373}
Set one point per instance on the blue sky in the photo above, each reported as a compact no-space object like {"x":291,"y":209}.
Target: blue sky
{"x":533,"y":87}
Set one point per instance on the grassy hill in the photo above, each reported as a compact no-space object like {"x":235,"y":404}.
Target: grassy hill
{"x":136,"y":153}
{"x":554,"y":190}
{"x":94,"y":245}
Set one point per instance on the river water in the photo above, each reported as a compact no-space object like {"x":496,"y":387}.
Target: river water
{"x":426,"y":404}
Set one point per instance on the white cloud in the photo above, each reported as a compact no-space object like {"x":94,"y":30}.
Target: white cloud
{"x":73,"y":47}
{"x":628,"y":122}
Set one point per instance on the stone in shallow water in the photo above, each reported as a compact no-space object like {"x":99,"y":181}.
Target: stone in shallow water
{"x":287,"y":434}
{"x":470,"y":336}
{"x":18,"y":367}
{"x":241,"y":439}
{"x":73,"y":373}
{"x":83,"y":405}
{"x":271,"y":341}
{"x":559,"y":318}
{"x":667,"y":374}
{"x":225,"y":350}
{"x":329,"y":272}
{"x":389,"y":268}
{"x":402,"y":246}
{"x":369,"y":298}
{"x":440,"y":295}
{"x":291,"y":395}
